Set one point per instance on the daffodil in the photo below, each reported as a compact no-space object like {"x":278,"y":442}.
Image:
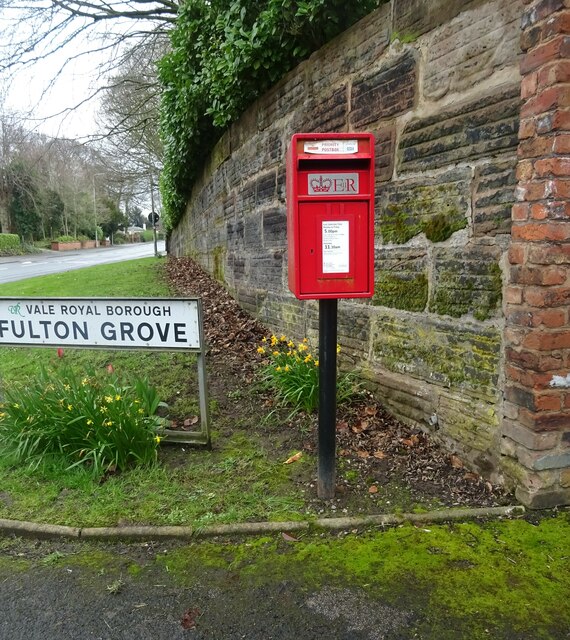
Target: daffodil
{"x":275,"y":353}
{"x":89,"y":422}
{"x":274,"y":340}
{"x":108,"y":399}
{"x":308,"y":358}
{"x":157,"y":439}
{"x":277,"y":368}
{"x":69,"y":407}
{"x":338,"y":348}
{"x":260,"y":350}
{"x":283,"y":338}
{"x":117,"y":397}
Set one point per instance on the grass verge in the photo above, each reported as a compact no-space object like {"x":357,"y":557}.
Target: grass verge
{"x":238,"y":481}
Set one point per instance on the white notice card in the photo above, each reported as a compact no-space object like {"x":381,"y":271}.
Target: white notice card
{"x":335,"y":246}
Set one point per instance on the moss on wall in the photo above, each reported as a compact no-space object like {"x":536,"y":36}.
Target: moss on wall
{"x":408,"y":293}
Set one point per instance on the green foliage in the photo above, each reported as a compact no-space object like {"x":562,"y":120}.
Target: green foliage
{"x":226,"y":53}
{"x":10,"y":244}
{"x":293,"y":373}
{"x":97,"y":423}
{"x":66,"y":239}
{"x":25,"y":200}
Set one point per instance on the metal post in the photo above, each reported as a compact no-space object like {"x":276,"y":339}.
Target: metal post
{"x":327,"y":398}
{"x":153,"y":217}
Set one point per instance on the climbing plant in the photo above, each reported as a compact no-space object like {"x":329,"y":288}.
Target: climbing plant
{"x":225,"y":53}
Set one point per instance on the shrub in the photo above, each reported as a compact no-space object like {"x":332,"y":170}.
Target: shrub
{"x":65,"y":239}
{"x":292,"y":371}
{"x":119,"y":238}
{"x":10,"y":244}
{"x":100,"y":424}
{"x":223,"y":56}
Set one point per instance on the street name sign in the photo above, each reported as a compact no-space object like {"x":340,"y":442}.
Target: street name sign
{"x":167,"y":324}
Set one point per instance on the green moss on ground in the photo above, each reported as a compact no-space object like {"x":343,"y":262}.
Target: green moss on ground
{"x":500,"y":577}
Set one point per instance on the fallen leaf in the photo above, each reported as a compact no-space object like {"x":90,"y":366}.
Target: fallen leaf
{"x":360,"y":427}
{"x":288,"y":538}
{"x":379,"y":454}
{"x":361,"y":453}
{"x":373,"y":489}
{"x":370,"y":411}
{"x":473,"y":477}
{"x":189,"y":618}
{"x":456,"y":462}
{"x":294,"y":458}
{"x":191,"y":421}
{"x":410,"y":442}
{"x":342,"y":425}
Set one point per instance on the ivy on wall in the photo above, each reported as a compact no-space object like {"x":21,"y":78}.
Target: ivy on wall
{"x":226,"y":53}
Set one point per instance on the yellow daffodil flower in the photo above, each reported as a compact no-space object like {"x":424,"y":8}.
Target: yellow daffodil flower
{"x":260,"y":350}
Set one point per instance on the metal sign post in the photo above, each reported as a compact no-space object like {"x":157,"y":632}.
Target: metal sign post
{"x":162,"y":324}
{"x":327,"y":398}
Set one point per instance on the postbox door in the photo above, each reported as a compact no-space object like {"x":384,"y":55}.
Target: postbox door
{"x":334,"y":248}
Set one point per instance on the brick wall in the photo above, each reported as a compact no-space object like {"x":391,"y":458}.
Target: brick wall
{"x":438,"y":82}
{"x":536,"y":427}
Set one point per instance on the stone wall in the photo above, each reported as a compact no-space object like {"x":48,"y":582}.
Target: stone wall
{"x":438,"y":84}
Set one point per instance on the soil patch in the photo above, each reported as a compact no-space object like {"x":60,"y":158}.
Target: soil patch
{"x":382,"y":463}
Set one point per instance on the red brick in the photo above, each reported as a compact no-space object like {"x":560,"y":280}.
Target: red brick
{"x":543,"y":421}
{"x":557,"y":121}
{"x":542,"y":297}
{"x":529,"y":84}
{"x":514,"y":335}
{"x":538,"y":275}
{"x":534,"y":190}
{"x":527,"y":128}
{"x":552,"y":167}
{"x":541,"y":232}
{"x":558,"y":23}
{"x":520,"y":211}
{"x":525,"y":170}
{"x":567,"y":405}
{"x":549,"y":318}
{"x":522,"y":357}
{"x":547,"y":100}
{"x":558,"y":187}
{"x":551,"y":210}
{"x":542,"y":341}
{"x":549,"y":362}
{"x":549,"y":254}
{"x":513,"y":295}
{"x":531,"y":379}
{"x":535,"y":147}
{"x":517,"y":254}
{"x":558,"y":71}
{"x":548,"y":402}
{"x":539,"y":211}
{"x":543,"y":54}
{"x":540,"y":9}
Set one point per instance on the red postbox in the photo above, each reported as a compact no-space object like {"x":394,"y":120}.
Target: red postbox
{"x":330,"y":215}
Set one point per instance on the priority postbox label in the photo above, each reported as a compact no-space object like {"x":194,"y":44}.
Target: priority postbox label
{"x":333,"y":183}
{"x":332,"y":147}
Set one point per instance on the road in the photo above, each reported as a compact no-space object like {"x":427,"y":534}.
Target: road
{"x":15,"y":268}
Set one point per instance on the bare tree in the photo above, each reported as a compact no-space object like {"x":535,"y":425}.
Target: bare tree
{"x":78,"y":32}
